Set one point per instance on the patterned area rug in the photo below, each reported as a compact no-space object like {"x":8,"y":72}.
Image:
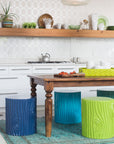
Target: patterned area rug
{"x":61,"y":134}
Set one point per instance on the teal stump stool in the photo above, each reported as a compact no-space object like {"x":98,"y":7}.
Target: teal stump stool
{"x":105,"y":93}
{"x":67,"y":107}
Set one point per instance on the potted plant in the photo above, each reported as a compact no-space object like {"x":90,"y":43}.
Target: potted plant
{"x":7,"y":17}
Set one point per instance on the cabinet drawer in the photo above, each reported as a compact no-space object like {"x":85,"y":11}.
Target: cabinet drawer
{"x":14,"y":82}
{"x":66,"y":69}
{"x":3,"y":70}
{"x":43,"y":70}
{"x":20,"y":70}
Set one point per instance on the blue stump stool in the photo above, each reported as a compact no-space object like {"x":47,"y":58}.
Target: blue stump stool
{"x":67,"y":107}
{"x":20,"y":116}
{"x":106,"y":93}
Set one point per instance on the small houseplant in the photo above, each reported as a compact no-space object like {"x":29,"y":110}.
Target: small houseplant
{"x":7,"y":17}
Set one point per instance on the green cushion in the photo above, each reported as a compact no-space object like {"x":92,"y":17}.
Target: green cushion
{"x":97,"y":117}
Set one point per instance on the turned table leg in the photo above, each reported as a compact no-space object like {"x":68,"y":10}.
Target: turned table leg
{"x":33,"y":88}
{"x":48,"y":108}
{"x":33,"y":95}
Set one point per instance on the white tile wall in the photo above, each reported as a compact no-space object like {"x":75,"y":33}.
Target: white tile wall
{"x":94,"y":49}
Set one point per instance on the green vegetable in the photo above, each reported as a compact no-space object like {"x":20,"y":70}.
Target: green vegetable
{"x":29,"y":25}
{"x":110,"y":28}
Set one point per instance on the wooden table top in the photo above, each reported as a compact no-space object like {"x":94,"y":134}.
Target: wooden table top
{"x":51,"y":78}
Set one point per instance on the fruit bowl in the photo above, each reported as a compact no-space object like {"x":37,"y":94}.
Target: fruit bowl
{"x":77,"y":27}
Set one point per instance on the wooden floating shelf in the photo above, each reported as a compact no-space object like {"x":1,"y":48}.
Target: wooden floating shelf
{"x":22,"y":32}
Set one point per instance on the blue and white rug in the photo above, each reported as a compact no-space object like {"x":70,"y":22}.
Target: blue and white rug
{"x":61,"y":134}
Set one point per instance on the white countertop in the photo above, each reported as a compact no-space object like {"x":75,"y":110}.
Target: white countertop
{"x":40,"y":64}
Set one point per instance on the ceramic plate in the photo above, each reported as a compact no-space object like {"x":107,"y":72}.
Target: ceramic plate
{"x":104,"y":20}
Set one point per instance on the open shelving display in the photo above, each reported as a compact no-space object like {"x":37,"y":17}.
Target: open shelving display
{"x":22,"y":32}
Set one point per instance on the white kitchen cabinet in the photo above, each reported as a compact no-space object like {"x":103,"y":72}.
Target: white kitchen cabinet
{"x":14,"y":80}
{"x":43,"y":70}
{"x":20,"y":70}
{"x":12,"y":93}
{"x":3,"y":70}
{"x":64,"y":68}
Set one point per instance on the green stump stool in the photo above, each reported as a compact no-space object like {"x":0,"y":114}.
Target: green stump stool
{"x":105,"y":93}
{"x":97,"y":117}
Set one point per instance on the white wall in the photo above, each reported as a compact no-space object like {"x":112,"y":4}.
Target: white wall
{"x":95,"y":49}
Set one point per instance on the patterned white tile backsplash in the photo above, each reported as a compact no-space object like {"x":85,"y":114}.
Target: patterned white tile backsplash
{"x":22,"y":48}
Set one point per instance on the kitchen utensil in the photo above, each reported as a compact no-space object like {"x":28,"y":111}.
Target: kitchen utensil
{"x":104,"y":20}
{"x":46,"y":57}
{"x":41,"y":23}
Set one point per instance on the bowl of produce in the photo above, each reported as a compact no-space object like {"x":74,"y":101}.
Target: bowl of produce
{"x":77,"y":27}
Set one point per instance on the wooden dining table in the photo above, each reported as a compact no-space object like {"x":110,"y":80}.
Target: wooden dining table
{"x":49,"y":82}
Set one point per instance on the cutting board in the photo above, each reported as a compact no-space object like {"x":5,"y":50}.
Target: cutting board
{"x":70,"y":75}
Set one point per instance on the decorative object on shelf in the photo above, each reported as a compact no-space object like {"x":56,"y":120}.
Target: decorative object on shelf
{"x":77,"y":27}
{"x":84,"y":24}
{"x":104,"y":20}
{"x":29,"y":25}
{"x":94,"y":20}
{"x":47,"y":22}
{"x":110,"y":28}
{"x":0,"y":24}
{"x":64,"y":26}
{"x":7,"y":18}
{"x":75,"y":2}
{"x":41,"y":23}
{"x":101,"y":26}
{"x":57,"y":26}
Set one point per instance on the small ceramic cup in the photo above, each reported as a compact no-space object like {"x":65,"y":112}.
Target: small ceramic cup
{"x":58,"y":26}
{"x":0,"y":24}
{"x":48,"y":26}
{"x":101,"y":26}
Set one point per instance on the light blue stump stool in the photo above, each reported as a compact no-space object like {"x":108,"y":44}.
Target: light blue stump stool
{"x":67,"y":107}
{"x":105,"y":93}
{"x":20,"y":116}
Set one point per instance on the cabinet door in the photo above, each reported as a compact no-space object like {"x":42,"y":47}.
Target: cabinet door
{"x":43,"y":70}
{"x":64,"y":68}
{"x":14,"y":93}
{"x":20,"y":70}
{"x":14,"y":82}
{"x":3,"y":70}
